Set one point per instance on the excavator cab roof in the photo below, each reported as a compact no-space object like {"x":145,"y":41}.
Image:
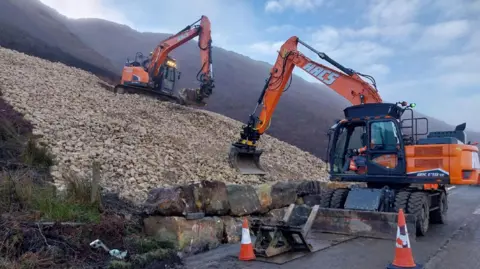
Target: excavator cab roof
{"x":377,"y":110}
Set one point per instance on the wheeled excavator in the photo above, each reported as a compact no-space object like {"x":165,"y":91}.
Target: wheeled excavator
{"x":395,"y":165}
{"x":158,"y":74}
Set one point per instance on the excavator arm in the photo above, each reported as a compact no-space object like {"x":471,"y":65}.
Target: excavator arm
{"x":205,"y":74}
{"x":243,"y":154}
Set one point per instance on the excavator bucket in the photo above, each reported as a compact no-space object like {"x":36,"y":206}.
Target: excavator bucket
{"x":247,"y":162}
{"x":191,"y":97}
{"x":371,"y":224}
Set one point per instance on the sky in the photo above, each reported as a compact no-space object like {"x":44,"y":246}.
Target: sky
{"x":421,"y":51}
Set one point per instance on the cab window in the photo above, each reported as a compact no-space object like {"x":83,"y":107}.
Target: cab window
{"x":383,"y":136}
{"x":170,"y":74}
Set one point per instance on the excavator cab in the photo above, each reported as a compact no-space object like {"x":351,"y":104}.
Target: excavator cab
{"x":368,"y":145}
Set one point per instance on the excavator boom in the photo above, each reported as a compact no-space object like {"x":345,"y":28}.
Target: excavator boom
{"x":243,"y":154}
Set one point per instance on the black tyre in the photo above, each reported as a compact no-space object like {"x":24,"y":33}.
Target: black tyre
{"x":439,"y":216}
{"x":338,"y":198}
{"x":401,"y":200}
{"x":326,"y":198}
{"x":418,"y":205}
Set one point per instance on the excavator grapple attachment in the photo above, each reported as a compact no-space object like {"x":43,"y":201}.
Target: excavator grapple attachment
{"x":246,"y":161}
{"x":191,"y":97}
{"x":372,"y":224}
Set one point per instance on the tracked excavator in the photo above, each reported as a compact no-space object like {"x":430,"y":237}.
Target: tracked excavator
{"x":158,"y":73}
{"x":377,"y":145}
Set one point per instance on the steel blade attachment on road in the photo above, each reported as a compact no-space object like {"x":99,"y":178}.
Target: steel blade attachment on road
{"x":373,"y":224}
{"x":247,"y":162}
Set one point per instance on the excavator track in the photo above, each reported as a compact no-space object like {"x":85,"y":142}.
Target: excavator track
{"x":185,"y":97}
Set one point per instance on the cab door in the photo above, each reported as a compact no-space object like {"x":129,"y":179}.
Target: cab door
{"x":169,"y":80}
{"x":385,"y":151}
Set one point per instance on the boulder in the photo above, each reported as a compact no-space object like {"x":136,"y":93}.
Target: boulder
{"x":309,"y":187}
{"x":215,"y":198}
{"x":192,"y":198}
{"x":243,"y":200}
{"x":165,"y":201}
{"x":232,"y":229}
{"x":191,"y":236}
{"x":264,"y":193}
{"x":276,"y":214}
{"x":283,"y":194}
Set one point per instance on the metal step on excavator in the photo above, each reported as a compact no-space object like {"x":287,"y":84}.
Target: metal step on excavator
{"x":377,"y":144}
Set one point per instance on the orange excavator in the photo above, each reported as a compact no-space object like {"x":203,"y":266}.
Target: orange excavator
{"x":372,"y":145}
{"x":158,"y":74}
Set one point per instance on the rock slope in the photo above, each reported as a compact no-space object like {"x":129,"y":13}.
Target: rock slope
{"x":140,"y":142}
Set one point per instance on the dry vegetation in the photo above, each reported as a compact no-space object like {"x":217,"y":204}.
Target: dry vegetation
{"x":138,"y":141}
{"x":43,"y":228}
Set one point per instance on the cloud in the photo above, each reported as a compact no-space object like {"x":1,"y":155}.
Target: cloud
{"x":279,"y":6}
{"x":266,"y":47}
{"x":396,"y":34}
{"x":441,"y":35}
{"x":283,"y":28}
{"x":394,"y":12}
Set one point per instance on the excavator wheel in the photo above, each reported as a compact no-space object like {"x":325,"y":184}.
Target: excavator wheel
{"x":439,"y":216}
{"x":326,"y":198}
{"x":419,"y":206}
{"x":245,"y":161}
{"x":339,"y":197}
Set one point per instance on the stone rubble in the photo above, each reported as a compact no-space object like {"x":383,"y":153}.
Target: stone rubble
{"x":140,"y":142}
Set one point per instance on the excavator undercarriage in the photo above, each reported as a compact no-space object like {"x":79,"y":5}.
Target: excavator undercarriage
{"x":186,"y":96}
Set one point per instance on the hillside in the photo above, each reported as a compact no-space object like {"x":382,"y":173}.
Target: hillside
{"x":80,"y":122}
{"x":31,"y":27}
{"x":303,"y":115}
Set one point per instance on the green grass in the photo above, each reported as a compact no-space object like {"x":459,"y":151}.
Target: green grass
{"x":24,"y":187}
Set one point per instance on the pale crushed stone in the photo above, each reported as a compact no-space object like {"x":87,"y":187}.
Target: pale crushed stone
{"x":141,"y":143}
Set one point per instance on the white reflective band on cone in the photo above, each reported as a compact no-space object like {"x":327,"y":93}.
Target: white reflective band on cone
{"x":246,"y":236}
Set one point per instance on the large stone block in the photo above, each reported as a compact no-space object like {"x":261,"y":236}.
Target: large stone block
{"x":190,"y":236}
{"x":243,"y":200}
{"x":215,"y":198}
{"x":165,"y":201}
{"x":283,"y":194}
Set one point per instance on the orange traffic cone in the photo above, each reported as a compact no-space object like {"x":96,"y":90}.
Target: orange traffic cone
{"x":246,"y":247}
{"x":403,"y":252}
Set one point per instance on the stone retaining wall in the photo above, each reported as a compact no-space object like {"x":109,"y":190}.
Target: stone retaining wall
{"x":203,"y":215}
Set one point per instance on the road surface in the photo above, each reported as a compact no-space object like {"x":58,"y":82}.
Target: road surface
{"x":453,"y":245}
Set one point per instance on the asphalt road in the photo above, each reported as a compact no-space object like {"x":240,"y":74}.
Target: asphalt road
{"x":452,"y":245}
